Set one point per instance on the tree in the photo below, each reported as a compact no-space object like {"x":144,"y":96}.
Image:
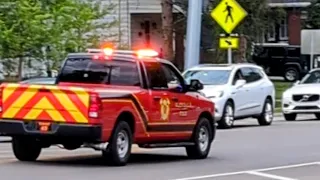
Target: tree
{"x":77,"y":25}
{"x":22,"y":30}
{"x":167,"y":28}
{"x":30,"y":27}
{"x":313,"y":19}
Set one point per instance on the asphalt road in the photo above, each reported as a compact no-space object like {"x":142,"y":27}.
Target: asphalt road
{"x":246,"y":152}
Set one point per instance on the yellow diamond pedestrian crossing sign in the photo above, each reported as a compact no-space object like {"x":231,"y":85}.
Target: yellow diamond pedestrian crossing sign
{"x":228,"y":14}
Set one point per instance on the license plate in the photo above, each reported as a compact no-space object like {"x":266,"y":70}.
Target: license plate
{"x":44,"y":126}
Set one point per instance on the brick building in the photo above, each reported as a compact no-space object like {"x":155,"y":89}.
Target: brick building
{"x":288,"y":30}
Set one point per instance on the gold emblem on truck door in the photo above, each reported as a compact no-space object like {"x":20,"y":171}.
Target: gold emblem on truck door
{"x":164,"y":108}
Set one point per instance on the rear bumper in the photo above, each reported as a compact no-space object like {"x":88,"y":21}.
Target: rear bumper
{"x":58,"y":130}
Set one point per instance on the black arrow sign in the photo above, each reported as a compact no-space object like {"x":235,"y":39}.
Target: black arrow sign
{"x":228,"y":42}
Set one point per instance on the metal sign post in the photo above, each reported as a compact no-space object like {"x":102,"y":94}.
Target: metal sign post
{"x":229,"y":43}
{"x":192,"y":52}
{"x":312,"y":52}
{"x":229,"y":55}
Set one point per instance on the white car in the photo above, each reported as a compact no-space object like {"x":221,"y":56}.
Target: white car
{"x":239,"y":91}
{"x":303,"y":97}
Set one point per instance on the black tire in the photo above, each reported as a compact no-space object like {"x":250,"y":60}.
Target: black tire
{"x":112,"y":154}
{"x":224,"y":123}
{"x":26,"y":149}
{"x":295,"y":74}
{"x":266,"y":118}
{"x":195,"y":151}
{"x":317,"y":116}
{"x":290,"y":117}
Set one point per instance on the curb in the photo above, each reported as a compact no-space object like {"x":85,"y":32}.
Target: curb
{"x":278,"y":114}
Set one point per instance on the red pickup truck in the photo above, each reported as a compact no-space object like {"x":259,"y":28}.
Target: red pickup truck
{"x":109,"y":100}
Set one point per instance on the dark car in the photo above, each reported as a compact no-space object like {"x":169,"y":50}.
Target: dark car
{"x":281,"y":60}
{"x":44,"y":80}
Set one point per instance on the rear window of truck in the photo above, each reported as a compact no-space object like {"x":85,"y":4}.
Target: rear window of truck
{"x":86,"y":70}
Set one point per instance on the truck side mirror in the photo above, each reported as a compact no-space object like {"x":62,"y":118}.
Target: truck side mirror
{"x":195,"y":84}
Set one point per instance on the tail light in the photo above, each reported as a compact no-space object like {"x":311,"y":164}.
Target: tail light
{"x":1,"y":104}
{"x":95,"y":106}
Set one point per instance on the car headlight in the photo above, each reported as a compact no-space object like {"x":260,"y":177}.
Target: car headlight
{"x":286,"y":95}
{"x":216,"y":94}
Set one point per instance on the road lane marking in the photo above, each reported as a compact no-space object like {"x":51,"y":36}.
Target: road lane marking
{"x":243,"y":172}
{"x":271,"y":176}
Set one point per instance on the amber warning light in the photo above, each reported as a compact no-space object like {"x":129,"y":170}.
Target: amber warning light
{"x":147,"y":53}
{"x":107,"y":51}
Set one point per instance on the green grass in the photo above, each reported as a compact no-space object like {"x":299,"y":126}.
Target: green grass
{"x":280,"y":87}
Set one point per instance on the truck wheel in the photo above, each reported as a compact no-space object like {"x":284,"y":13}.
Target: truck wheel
{"x":120,"y":144}
{"x":291,"y":74}
{"x":26,"y":149}
{"x":202,"y":137}
{"x":266,"y":116}
{"x":290,"y":117}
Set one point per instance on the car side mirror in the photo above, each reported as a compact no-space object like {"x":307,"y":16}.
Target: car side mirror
{"x":195,"y":84}
{"x":296,"y":83}
{"x":240,"y":83}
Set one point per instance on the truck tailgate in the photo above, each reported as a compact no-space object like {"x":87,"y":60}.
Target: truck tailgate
{"x":45,"y":103}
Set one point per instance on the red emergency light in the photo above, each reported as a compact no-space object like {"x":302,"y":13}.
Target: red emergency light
{"x":105,"y":54}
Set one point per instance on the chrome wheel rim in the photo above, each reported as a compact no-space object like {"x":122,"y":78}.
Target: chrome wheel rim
{"x":203,"y":139}
{"x":122,"y":143}
{"x":268,"y":112}
{"x":228,"y":116}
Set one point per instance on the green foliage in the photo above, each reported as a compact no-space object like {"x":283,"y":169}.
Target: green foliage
{"x":62,"y":26}
{"x":313,"y":20}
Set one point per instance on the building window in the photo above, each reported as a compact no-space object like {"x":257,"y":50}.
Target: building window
{"x":272,"y":32}
{"x":283,"y":29}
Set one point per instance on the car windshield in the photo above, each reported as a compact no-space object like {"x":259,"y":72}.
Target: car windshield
{"x":208,"y":77}
{"x":311,"y":78}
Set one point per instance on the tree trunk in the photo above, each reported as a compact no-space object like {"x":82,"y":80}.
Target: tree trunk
{"x":241,"y":53}
{"x":167,"y":28}
{"x":20,"y":68}
{"x":179,"y":47}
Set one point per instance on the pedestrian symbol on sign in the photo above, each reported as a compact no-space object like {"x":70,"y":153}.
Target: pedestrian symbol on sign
{"x":228,"y":14}
{"x":229,"y":10}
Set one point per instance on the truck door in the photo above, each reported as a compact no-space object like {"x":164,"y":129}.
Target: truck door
{"x":160,"y":110}
{"x":182,"y":108}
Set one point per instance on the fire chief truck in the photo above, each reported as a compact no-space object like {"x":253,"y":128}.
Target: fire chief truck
{"x":108,"y":100}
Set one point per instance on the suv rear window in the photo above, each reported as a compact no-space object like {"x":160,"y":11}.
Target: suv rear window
{"x":86,"y":70}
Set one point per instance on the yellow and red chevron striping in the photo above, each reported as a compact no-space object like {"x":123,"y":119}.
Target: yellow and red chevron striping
{"x":40,"y":102}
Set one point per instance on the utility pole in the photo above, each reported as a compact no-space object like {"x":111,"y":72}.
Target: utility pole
{"x":167,"y":28}
{"x":193,"y":33}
